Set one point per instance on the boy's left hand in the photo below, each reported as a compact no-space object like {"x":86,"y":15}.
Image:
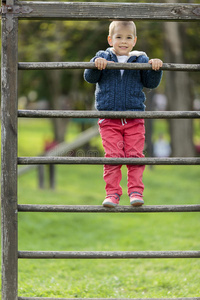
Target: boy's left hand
{"x":156,"y":63}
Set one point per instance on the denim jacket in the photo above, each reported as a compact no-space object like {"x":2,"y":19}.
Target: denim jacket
{"x":116,"y":92}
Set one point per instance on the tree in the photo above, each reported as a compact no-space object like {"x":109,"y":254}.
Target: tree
{"x":178,"y":91}
{"x":79,"y":41}
{"x":59,"y":41}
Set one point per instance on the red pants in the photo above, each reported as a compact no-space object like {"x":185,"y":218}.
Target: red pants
{"x":123,"y":138}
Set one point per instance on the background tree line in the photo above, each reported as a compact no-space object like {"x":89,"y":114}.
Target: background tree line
{"x":79,"y":41}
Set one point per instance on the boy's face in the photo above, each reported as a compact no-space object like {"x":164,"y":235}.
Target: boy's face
{"x":122,"y":40}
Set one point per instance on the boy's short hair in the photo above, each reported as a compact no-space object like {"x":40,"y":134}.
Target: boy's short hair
{"x":113,"y":25}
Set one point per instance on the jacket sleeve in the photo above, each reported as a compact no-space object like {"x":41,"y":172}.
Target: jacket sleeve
{"x":150,"y":78}
{"x":93,"y":75}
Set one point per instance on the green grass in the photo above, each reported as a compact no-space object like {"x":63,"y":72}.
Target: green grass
{"x":100,"y":278}
{"x":32,"y":134}
{"x":138,"y":278}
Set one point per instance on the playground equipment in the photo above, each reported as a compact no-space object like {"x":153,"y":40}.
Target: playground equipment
{"x":11,"y":12}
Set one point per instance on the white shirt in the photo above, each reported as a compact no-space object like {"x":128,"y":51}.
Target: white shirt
{"x":122,"y":59}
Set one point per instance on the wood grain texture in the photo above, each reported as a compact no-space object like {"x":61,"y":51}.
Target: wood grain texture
{"x":9,"y":159}
{"x":108,"y":161}
{"x":99,"y":10}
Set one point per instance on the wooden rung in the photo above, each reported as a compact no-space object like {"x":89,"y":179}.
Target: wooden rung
{"x":108,"y":114}
{"x":44,"y":298}
{"x":108,"y":160}
{"x":101,"y":209}
{"x":97,"y":11}
{"x":113,"y":66}
{"x":106,"y":254}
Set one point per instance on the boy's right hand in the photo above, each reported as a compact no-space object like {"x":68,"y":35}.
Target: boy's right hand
{"x":100,"y":63}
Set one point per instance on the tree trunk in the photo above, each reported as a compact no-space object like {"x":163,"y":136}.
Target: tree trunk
{"x":59,"y":124}
{"x":178,"y":92}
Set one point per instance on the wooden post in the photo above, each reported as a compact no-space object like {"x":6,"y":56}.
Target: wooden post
{"x":52,"y":172}
{"x":9,"y":153}
{"x":41,"y":176}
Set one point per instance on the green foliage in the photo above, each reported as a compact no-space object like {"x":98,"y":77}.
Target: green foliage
{"x":79,"y":41}
{"x":58,"y":41}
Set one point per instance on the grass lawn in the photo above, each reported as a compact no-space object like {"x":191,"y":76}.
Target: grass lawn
{"x":148,"y":278}
{"x":100,"y":278}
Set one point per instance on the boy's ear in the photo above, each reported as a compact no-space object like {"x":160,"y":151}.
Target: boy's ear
{"x":135,"y":40}
{"x":110,"y":40}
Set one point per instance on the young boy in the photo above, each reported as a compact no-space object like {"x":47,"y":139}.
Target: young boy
{"x":121,"y":90}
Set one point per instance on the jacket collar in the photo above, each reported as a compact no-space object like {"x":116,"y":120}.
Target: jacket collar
{"x":133,"y":55}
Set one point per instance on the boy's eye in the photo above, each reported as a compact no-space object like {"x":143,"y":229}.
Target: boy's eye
{"x":129,"y":37}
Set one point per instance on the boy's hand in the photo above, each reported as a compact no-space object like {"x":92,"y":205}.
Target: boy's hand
{"x":156,"y":64}
{"x":100,"y":63}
